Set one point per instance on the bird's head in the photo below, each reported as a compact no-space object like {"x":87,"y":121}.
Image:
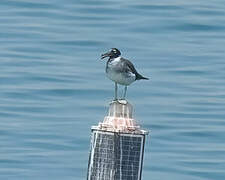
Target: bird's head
{"x":113,"y":53}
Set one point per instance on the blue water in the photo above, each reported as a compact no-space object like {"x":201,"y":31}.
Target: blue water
{"x":54,"y":88}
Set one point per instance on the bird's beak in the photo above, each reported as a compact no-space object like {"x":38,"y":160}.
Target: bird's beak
{"x":105,"y":55}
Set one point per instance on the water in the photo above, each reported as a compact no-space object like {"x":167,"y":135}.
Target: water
{"x":53,"y":86}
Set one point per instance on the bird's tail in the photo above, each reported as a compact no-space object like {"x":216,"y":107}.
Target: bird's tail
{"x":139,"y":77}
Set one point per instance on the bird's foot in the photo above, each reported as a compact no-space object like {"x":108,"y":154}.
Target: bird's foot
{"x":122,"y":101}
{"x":115,"y":99}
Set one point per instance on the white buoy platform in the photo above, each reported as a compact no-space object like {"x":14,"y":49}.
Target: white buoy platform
{"x":117,"y":145}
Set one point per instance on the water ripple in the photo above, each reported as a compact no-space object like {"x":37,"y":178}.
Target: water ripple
{"x":53,"y":84}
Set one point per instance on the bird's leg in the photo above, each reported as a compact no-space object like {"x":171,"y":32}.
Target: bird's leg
{"x":125,"y":92}
{"x":116,"y":87}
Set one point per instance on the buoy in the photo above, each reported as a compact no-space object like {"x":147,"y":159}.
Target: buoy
{"x":117,"y":145}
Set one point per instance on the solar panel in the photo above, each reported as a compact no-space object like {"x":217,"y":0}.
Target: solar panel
{"x":115,"y":156}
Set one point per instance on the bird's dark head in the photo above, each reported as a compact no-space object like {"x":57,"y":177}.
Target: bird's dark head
{"x":113,"y":53}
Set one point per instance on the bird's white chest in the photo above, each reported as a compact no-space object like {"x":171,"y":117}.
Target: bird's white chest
{"x":115,"y":73}
{"x":114,"y":63}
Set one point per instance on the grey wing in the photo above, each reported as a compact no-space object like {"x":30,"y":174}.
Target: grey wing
{"x":129,"y":66}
